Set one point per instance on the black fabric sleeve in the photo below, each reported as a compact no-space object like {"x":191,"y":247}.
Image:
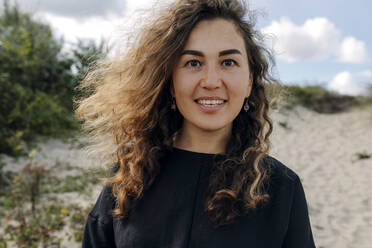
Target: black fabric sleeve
{"x":97,"y":234}
{"x":299,"y":234}
{"x":99,"y":230}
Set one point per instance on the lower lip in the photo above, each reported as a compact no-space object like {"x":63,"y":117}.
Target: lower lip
{"x":210,"y":109}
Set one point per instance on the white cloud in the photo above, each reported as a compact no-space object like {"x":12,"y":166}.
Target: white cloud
{"x":133,"y":6}
{"x":353,"y":51}
{"x":71,"y":8}
{"x":89,"y":28}
{"x":112,"y":27}
{"x":345,"y":83}
{"x":138,"y":5}
{"x":316,"y":39}
{"x":368,"y":74}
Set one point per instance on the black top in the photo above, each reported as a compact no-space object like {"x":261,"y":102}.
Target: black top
{"x":170,"y":214}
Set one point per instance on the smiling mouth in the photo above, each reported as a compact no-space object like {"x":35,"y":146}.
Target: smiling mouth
{"x":210,"y":103}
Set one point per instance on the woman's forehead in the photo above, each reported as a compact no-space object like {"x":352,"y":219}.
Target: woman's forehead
{"x":214,"y":36}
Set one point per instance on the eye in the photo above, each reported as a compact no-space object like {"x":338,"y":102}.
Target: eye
{"x":193,"y":63}
{"x":228,"y":62}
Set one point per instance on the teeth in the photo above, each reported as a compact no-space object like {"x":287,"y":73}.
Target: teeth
{"x":210,"y":102}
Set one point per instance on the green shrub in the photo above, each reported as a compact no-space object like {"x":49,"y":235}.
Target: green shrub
{"x":319,"y":99}
{"x":46,"y":116}
{"x":26,"y":114}
{"x":36,"y":81}
{"x":363,"y":155}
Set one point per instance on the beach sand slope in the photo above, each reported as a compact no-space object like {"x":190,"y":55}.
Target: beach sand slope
{"x":325,"y":150}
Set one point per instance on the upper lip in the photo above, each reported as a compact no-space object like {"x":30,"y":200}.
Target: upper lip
{"x":209,"y":98}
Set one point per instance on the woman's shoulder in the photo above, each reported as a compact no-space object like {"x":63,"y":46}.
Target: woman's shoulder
{"x":279,"y":172}
{"x":101,"y":211}
{"x":283,"y":183}
{"x":103,"y":206}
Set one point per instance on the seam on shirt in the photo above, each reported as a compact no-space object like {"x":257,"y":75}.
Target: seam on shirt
{"x":99,"y":219}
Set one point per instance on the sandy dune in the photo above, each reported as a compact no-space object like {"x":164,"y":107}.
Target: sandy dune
{"x":321,"y":148}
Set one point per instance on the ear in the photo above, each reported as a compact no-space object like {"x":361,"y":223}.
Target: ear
{"x":249,"y":89}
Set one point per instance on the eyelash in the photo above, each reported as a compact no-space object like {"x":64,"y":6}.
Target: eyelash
{"x":230,"y":60}
{"x":188,"y":63}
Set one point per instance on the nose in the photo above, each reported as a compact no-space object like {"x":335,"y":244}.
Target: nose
{"x":211,"y":78}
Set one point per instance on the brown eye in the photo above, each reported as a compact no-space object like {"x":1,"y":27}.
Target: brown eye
{"x":228,"y":62}
{"x":193,"y":63}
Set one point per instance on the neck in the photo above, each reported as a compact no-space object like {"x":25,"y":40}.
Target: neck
{"x":204,"y":141}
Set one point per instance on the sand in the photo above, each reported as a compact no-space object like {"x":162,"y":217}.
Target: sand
{"x":321,"y":148}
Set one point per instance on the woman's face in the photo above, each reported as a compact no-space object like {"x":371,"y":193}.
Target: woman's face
{"x":211,"y":78}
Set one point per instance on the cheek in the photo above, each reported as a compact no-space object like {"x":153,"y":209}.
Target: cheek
{"x":239,"y":86}
{"x":181,"y":90}
{"x":182,"y":84}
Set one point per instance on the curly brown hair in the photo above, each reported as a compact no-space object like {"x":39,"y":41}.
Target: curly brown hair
{"x":128,"y":112}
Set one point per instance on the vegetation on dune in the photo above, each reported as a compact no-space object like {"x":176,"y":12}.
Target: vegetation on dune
{"x":37,"y":83}
{"x":318,"y":99}
{"x":32,"y":214}
{"x":37,"y":87}
{"x":37,"y":80}
{"x":363,"y":155}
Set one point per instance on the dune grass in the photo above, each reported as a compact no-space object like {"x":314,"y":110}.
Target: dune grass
{"x":33,"y":208}
{"x":316,"y":98}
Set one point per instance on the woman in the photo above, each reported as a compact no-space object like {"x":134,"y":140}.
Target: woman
{"x":185,"y":114}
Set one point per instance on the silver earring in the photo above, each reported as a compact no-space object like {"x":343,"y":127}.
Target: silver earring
{"x":246,"y":104}
{"x":173,"y":105}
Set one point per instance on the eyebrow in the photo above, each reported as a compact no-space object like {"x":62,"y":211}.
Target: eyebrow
{"x":222,"y":53}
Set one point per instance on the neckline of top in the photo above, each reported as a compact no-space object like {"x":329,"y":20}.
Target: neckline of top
{"x":198,"y":154}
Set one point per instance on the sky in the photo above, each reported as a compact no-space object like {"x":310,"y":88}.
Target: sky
{"x":318,"y":42}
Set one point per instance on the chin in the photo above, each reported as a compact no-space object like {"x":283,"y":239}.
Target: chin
{"x":210,"y":128}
